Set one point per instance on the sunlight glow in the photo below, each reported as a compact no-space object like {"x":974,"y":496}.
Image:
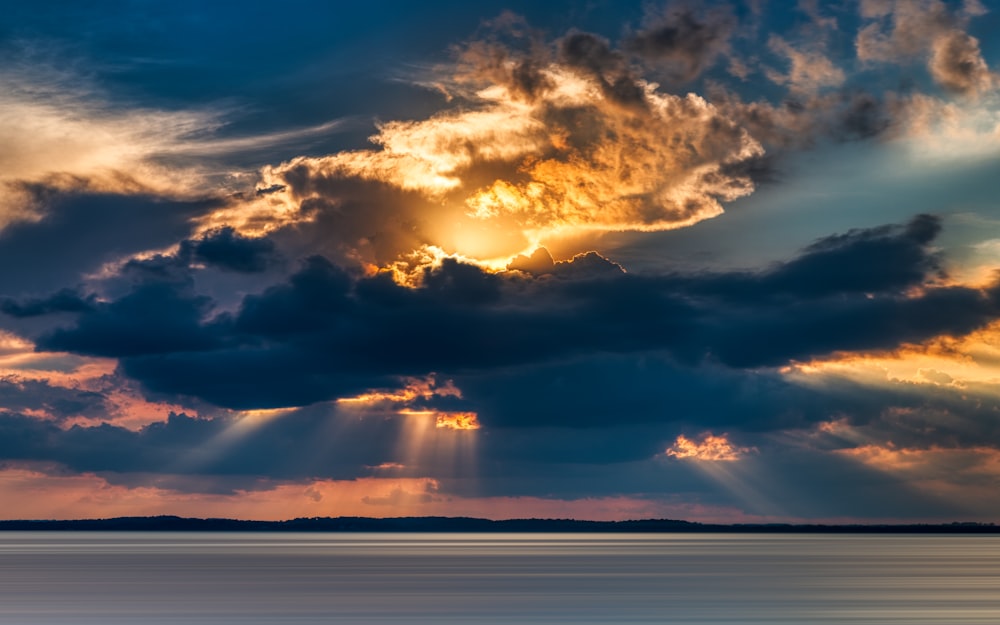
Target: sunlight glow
{"x":709,"y":447}
{"x":965,"y":362}
{"x":414,"y":388}
{"x":456,"y":420}
{"x":503,"y":175}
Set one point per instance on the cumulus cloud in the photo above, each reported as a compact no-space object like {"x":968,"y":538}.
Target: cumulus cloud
{"x":155,"y":318}
{"x":823,"y":102}
{"x":900,"y":30}
{"x":64,"y":300}
{"x":708,"y":447}
{"x":809,"y":71}
{"x":43,"y":400}
{"x":957,"y":64}
{"x":682,"y":41}
{"x":328,"y":333}
{"x":221,"y":248}
{"x":83,"y":231}
{"x":559,"y":137}
{"x":456,"y":420}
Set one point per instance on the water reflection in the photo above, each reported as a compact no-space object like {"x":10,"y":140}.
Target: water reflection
{"x":160,"y":578}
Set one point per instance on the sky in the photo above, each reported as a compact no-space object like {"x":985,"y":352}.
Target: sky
{"x":717,"y":261}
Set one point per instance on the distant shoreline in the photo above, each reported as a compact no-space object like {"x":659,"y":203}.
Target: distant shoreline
{"x":466,"y":524}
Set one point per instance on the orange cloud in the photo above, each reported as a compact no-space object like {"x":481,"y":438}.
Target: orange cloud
{"x":709,"y":447}
{"x":939,"y":461}
{"x":500,"y":175}
{"x":415,"y":388}
{"x":456,"y":420}
{"x":446,"y":420}
{"x":966,"y":476}
{"x":126,"y":406}
{"x":970,"y":362}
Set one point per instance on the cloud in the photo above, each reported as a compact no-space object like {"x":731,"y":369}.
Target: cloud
{"x":812,"y":9}
{"x":412,"y":390}
{"x":64,"y":300}
{"x":46,"y":401}
{"x":561,"y":137}
{"x":899,"y":30}
{"x":683,"y":42}
{"x":957,"y":64}
{"x":226,"y":249}
{"x":399,"y":498}
{"x":877,"y":102}
{"x":540,"y":262}
{"x":221,"y":248}
{"x":233,"y":450}
{"x":327,"y":333}
{"x":58,"y":130}
{"x":456,"y":420}
{"x":810,"y":70}
{"x":439,"y":307}
{"x":81,"y":231}
{"x":707,"y":448}
{"x":807,"y":118}
{"x":153,"y":319}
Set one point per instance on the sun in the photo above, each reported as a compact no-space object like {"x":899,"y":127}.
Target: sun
{"x":491,"y":243}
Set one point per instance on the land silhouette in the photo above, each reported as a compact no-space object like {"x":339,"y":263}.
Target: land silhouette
{"x":469,"y":524}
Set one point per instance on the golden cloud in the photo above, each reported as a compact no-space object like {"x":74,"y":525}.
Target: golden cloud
{"x":499,"y":174}
{"x":970,"y":362}
{"x":456,"y":420}
{"x":964,"y":475}
{"x":413,"y":389}
{"x":709,"y":447}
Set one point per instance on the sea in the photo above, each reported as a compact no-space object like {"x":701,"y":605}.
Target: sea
{"x":108,"y":578}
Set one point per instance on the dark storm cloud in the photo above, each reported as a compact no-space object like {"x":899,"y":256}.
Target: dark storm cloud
{"x":348,"y":214}
{"x":886,"y":259}
{"x":305,"y":444}
{"x":58,"y":402}
{"x":64,"y":300}
{"x":155,"y":318}
{"x":791,"y":480}
{"x":619,"y":390}
{"x":228,"y":250}
{"x":317,"y":443}
{"x":80,"y":231}
{"x":325,"y":333}
{"x":684,"y":42}
{"x":223,"y":249}
{"x":589,"y":264}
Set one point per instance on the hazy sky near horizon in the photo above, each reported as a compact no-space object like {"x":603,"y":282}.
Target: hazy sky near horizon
{"x":726,"y":261}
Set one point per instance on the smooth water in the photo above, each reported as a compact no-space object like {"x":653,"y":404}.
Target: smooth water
{"x":159,"y":578}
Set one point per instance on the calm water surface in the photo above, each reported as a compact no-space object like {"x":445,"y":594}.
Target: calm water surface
{"x":160,"y":578}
